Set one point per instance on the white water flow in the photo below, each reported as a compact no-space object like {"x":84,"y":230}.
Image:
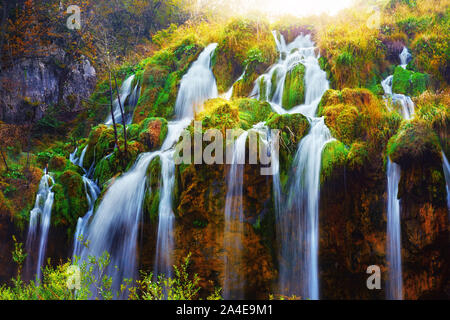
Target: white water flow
{"x":197,"y":86}
{"x":132,"y":102}
{"x":92,"y":193}
{"x":393,"y":249}
{"x":124,"y":92}
{"x":229,"y":94}
{"x":301,"y":217}
{"x":297,"y":218}
{"x":233,"y":286}
{"x":301,"y":50}
{"x":446,"y":167}
{"x":393,"y":252}
{"x":39,"y":225}
{"x":115,"y":224}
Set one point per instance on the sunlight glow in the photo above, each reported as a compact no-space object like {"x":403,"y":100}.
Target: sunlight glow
{"x":292,"y":7}
{"x":304,"y":7}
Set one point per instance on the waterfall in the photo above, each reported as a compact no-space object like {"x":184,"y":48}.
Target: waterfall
{"x":233,"y":285}
{"x":124,"y":92}
{"x":393,"y":252}
{"x":229,"y":94}
{"x":393,"y":248}
{"x":115,"y":225}
{"x":446,"y":167}
{"x":297,"y":219}
{"x":301,"y":216}
{"x":197,"y":86}
{"x":92,"y":193}
{"x":301,"y":50}
{"x":405,"y":57}
{"x":40,"y":217}
{"x":132,"y":102}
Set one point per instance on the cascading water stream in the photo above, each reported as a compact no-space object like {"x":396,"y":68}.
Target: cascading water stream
{"x":446,"y":167}
{"x":297,"y":221}
{"x":124,"y":92}
{"x":115,"y":225}
{"x":92,"y":193}
{"x":197,"y":86}
{"x":302,"y":211}
{"x":39,"y":217}
{"x":393,"y":249}
{"x":229,"y":94}
{"x":233,"y":285}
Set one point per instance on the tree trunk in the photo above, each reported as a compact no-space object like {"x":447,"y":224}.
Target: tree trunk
{"x":112,"y":112}
{"x":123,"y":116}
{"x":4,"y":159}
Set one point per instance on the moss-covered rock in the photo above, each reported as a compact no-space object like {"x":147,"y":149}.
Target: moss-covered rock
{"x":100,"y":143}
{"x":408,"y":82}
{"x":358,"y":115}
{"x":334,"y":157}
{"x":117,"y":163}
{"x":219,"y":114}
{"x":415,"y":142}
{"x":239,"y":48}
{"x":293,"y":127}
{"x":161,"y":76}
{"x":152,"y":194}
{"x":70,"y":200}
{"x":152,"y":132}
{"x":252,"y":111}
{"x":57,"y":163}
{"x":294,"y":87}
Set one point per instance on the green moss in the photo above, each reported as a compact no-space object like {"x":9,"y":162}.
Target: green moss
{"x":415,"y":142}
{"x":334,"y":157}
{"x":238,"y":47}
{"x":408,"y":82}
{"x":252,"y":111}
{"x":152,"y":194}
{"x":220,"y":114}
{"x":100,"y":143}
{"x":70,"y":200}
{"x":294,"y":87}
{"x":293,"y":127}
{"x":161,"y":76}
{"x":343,"y":121}
{"x":358,"y":156}
{"x":152,"y":133}
{"x":57,"y":163}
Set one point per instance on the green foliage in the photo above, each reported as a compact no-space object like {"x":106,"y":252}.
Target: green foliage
{"x":181,"y":287}
{"x":252,"y":111}
{"x":161,"y":76}
{"x":408,"y":82}
{"x":88,"y":279}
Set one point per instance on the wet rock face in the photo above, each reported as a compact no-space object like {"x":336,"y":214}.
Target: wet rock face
{"x":200,"y":227}
{"x":425,"y":232}
{"x":352,"y":222}
{"x":31,"y":86}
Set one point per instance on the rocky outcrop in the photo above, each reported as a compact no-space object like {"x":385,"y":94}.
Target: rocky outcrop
{"x":31,"y":86}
